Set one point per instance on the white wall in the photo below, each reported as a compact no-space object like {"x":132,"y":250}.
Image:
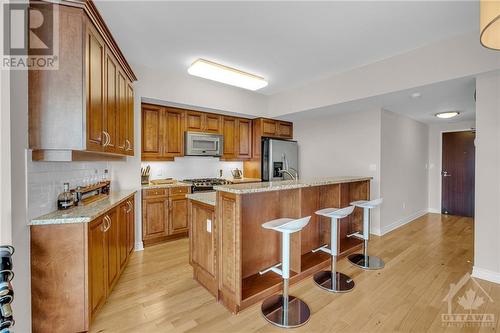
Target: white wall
{"x":192,"y":167}
{"x":487,"y":207}
{"x":403,"y":170}
{"x":435,"y":151}
{"x":455,"y":58}
{"x":346,"y":144}
{"x":5,"y":170}
{"x":20,"y":228}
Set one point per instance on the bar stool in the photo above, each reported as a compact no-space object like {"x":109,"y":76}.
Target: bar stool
{"x":284,"y":310}
{"x":363,"y":260}
{"x":332,"y":280}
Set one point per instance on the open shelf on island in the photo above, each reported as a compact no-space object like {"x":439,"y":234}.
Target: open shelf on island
{"x":256,"y":284}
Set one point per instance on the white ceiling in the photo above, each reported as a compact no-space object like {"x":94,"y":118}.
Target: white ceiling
{"x":288,"y":43}
{"x":454,"y":95}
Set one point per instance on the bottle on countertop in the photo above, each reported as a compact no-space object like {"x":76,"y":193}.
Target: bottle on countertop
{"x":66,"y":199}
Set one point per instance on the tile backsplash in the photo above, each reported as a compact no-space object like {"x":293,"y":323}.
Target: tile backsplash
{"x":45,"y":181}
{"x":192,"y":167}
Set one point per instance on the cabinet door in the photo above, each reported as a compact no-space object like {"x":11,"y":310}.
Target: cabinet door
{"x":131,"y":226}
{"x":195,"y":121}
{"x":203,"y":238}
{"x":130,"y":119}
{"x":123,"y":233}
{"x":285,"y":129}
{"x":174,"y":132}
{"x":121,"y":97}
{"x":244,"y":138}
{"x":155,"y":218}
{"x":95,"y":65}
{"x":178,"y":214}
{"x":113,"y":248}
{"x":97,"y":264}
{"x":269,"y":127}
{"x":213,"y":123}
{"x":229,"y":132}
{"x":111,"y":115}
{"x":152,"y":139}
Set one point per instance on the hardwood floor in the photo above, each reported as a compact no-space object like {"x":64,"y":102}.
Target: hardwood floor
{"x":156,"y":292}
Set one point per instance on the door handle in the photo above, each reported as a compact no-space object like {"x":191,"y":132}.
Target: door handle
{"x":445,"y":174}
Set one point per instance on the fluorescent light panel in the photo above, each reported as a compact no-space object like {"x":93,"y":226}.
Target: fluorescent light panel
{"x":220,"y":73}
{"x":447,"y":115}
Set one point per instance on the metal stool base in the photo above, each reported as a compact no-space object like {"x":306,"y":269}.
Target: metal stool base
{"x":343,"y":284}
{"x":297,"y":315}
{"x":366,"y":262}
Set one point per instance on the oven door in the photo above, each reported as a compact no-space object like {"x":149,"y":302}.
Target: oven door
{"x":203,"y":144}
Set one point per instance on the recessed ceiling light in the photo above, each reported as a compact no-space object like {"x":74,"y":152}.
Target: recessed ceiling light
{"x":224,"y":74}
{"x":416,"y":95}
{"x":447,"y":115}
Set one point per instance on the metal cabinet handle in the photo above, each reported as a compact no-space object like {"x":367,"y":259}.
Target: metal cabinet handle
{"x":128,"y":145}
{"x":108,"y":223}
{"x":445,"y":174}
{"x":129,"y":207}
{"x":107,"y":139}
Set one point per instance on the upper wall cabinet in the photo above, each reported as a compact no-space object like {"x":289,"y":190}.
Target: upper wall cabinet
{"x":84,"y":110}
{"x":162,"y":133}
{"x":203,"y":122}
{"x":263,"y":127}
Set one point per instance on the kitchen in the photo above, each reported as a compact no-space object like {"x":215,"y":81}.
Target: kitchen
{"x":187,"y":167}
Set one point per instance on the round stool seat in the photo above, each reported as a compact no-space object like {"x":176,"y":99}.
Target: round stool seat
{"x":336,"y":213}
{"x":367,"y":204}
{"x":287,"y":225}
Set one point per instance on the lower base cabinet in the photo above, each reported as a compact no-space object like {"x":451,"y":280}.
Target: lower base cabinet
{"x":74,"y":268}
{"x":164,"y":214}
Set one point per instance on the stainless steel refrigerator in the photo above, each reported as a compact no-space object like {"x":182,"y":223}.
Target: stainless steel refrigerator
{"x":278,"y":155}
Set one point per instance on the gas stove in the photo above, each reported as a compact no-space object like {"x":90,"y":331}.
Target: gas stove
{"x":205,"y":184}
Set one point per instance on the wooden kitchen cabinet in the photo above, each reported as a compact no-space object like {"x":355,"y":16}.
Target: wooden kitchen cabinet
{"x":131,"y":226}
{"x":82,"y":110}
{"x":203,"y":244}
{"x":97,"y":264}
{"x":178,"y":222}
{"x":164,"y":214}
{"x":203,"y":122}
{"x":229,"y":132}
{"x":244,"y":138}
{"x":263,"y":127}
{"x":111,"y":231}
{"x":162,"y":133}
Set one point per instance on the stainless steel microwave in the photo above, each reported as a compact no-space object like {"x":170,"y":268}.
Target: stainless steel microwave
{"x":203,"y":144}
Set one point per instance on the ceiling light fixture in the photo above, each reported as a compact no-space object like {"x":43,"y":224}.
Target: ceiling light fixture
{"x":489,"y":22}
{"x":416,"y":95}
{"x":220,"y":73}
{"x":447,"y":115}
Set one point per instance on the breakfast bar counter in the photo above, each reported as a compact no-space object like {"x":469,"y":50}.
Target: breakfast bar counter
{"x":243,"y":247}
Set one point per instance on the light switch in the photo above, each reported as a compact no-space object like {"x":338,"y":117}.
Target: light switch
{"x":209,"y":226}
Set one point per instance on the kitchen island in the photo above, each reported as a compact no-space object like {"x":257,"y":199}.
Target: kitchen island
{"x":242,"y":248}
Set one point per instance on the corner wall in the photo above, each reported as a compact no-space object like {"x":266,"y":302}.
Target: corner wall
{"x":403,"y":170}
{"x":346,"y":144}
{"x":487,"y":207}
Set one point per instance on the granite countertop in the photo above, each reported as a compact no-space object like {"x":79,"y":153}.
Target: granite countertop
{"x":83,"y":214}
{"x":203,"y":197}
{"x":175,"y":184}
{"x":286,"y":184}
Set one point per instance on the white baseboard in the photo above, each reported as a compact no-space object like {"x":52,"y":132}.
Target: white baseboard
{"x":486,"y":274}
{"x":434,"y":210}
{"x":401,"y":222}
{"x":139,"y":246}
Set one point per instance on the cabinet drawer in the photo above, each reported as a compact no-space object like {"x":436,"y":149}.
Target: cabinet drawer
{"x":179,"y":190}
{"x":155,"y":192}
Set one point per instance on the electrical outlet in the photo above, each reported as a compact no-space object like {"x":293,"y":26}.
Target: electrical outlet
{"x":209,"y":225}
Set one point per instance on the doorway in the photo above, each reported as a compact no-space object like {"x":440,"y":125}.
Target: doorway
{"x":458,"y":172}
